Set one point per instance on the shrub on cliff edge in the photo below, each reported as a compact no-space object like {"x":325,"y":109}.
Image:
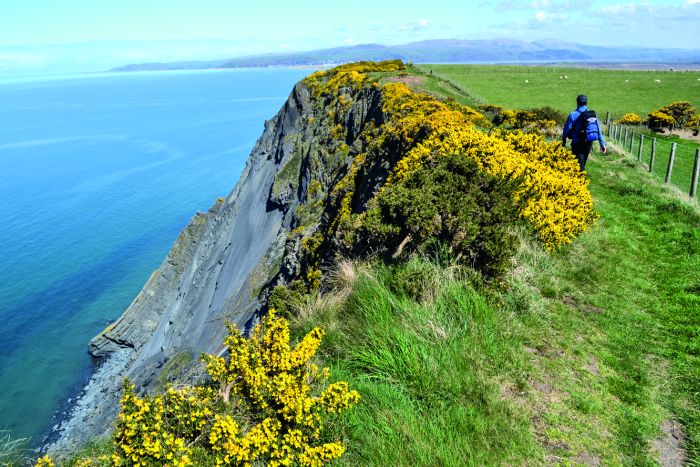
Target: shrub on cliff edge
{"x":447,"y":203}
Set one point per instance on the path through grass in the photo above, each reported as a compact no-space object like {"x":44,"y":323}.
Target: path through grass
{"x":581,"y":357}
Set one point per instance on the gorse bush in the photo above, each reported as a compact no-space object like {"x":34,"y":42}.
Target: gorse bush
{"x":267,"y":404}
{"x":679,"y":114}
{"x":630,"y":119}
{"x":447,"y":202}
{"x":541,"y":120}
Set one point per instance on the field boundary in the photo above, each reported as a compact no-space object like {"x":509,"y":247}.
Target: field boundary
{"x":677,"y":163}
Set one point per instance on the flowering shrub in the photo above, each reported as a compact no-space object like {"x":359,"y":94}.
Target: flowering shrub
{"x":630,"y":119}
{"x":543,"y":120}
{"x":44,"y":461}
{"x":659,"y":120}
{"x":267,"y":406}
{"x":418,"y":127}
{"x":265,"y":376}
{"x":446,"y":205}
{"x":676,"y":114}
{"x":558,"y":203}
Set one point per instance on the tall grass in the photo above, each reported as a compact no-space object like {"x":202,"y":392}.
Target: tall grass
{"x":13,"y":451}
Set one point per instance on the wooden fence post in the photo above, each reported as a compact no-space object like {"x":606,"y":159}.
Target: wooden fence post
{"x":671,"y":158}
{"x":653,"y":155}
{"x":624,"y":144}
{"x":641,"y":148}
{"x":696,"y":173}
{"x":607,"y":119}
{"x":632,"y":143}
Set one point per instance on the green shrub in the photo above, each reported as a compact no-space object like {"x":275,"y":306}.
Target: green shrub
{"x":448,"y":203}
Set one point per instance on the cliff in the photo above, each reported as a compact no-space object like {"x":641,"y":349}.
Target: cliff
{"x":330,"y":176}
{"x":226,"y":260}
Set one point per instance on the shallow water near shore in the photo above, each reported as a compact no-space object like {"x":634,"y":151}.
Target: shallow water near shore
{"x":98,"y":175}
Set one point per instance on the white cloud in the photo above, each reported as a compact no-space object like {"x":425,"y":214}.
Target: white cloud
{"x":540,"y":16}
{"x":621,"y":9}
{"x":350,"y":41}
{"x":418,"y":25}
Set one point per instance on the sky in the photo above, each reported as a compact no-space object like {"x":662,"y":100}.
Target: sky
{"x":41,"y":34}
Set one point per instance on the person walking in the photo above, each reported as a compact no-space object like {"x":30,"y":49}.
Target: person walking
{"x":583,"y":128}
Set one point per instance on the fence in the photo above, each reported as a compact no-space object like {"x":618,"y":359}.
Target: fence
{"x":677,"y":163}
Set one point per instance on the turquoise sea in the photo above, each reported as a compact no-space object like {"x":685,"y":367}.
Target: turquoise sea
{"x":98,"y":175}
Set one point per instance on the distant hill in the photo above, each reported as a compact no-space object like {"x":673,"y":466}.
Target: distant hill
{"x":442,"y":51}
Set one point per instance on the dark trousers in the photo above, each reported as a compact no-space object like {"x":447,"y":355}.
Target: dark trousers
{"x":581,"y":150}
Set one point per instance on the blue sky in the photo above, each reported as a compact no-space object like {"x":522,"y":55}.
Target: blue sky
{"x":33,"y":33}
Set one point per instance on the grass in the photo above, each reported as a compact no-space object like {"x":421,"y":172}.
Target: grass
{"x":580,"y":357}
{"x":615,"y":91}
{"x":684,"y":159}
{"x":12,"y":450}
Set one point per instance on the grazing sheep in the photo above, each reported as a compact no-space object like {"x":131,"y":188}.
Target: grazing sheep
{"x":566,"y":77}
{"x":627,"y":81}
{"x":561,"y":77}
{"x":657,"y":80}
{"x":527,"y":81}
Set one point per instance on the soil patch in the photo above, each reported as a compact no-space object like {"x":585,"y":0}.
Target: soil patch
{"x":671,"y":454}
{"x":407,"y":80}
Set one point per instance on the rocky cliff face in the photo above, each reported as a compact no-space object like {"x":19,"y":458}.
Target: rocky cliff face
{"x":225,"y":262}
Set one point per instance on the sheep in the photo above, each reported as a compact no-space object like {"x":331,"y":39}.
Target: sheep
{"x":657,"y":81}
{"x":566,"y":77}
{"x":527,"y":81}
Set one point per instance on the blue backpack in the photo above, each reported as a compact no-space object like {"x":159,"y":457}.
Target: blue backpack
{"x":586,"y":126}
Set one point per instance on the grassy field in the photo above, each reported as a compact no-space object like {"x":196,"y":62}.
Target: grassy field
{"x":587,"y":355}
{"x":684,"y":159}
{"x":616,"y":91}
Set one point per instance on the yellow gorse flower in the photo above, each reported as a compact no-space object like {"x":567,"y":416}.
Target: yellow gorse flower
{"x":417,"y":127}
{"x":268,"y":409}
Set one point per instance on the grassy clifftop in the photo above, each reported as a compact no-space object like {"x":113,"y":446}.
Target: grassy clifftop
{"x":582,"y":347}
{"x":588,"y":355}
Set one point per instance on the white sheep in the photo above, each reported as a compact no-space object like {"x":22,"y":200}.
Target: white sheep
{"x":561,"y":77}
{"x":527,"y":81}
{"x":657,"y":81}
{"x":627,"y":81}
{"x":566,"y":77}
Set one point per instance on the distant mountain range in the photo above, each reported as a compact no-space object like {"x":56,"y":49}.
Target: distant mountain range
{"x":443,"y":51}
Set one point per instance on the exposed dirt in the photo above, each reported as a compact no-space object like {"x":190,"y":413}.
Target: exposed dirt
{"x":542,"y":387}
{"x":669,"y":446}
{"x":593,"y":367}
{"x":567,"y":300}
{"x":685,"y":134}
{"x":586,"y":459}
{"x":407,"y":80}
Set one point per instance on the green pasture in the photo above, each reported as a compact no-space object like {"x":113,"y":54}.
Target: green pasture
{"x":684,"y":157}
{"x":616,"y":91}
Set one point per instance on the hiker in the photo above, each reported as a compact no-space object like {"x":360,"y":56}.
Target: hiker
{"x":583,"y":128}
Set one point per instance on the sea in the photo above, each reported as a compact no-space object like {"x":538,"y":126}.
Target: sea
{"x":98,"y":175}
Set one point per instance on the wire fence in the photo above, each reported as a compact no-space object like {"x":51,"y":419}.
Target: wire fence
{"x":675,"y":162}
